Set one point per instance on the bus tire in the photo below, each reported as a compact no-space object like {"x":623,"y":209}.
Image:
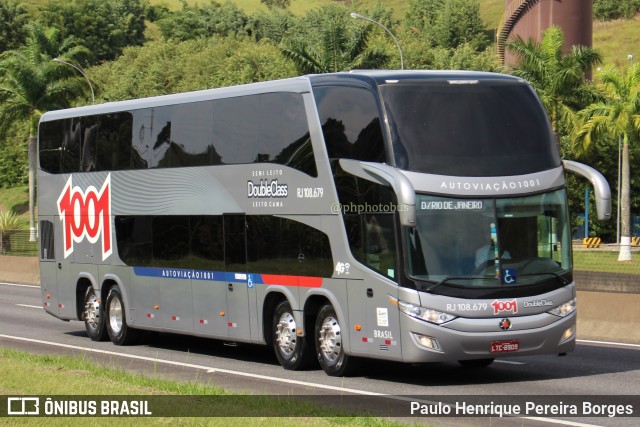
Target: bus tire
{"x":119,"y":332}
{"x":476,"y":363}
{"x":93,"y":316}
{"x":292,"y":350}
{"x":329,"y":349}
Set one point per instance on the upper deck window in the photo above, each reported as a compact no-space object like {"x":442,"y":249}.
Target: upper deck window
{"x":350,"y":123}
{"x":481,"y":129}
{"x":260,"y":128}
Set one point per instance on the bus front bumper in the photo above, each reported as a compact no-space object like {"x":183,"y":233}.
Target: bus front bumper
{"x":426,"y":342}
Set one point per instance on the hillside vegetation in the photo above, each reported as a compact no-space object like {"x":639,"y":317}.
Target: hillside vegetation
{"x":614,"y":39}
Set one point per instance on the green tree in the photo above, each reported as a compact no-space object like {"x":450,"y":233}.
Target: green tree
{"x":616,"y":117}
{"x":332,"y":42}
{"x":276,"y":4}
{"x":13,"y":24}
{"x":559,"y":78}
{"x":273,"y":25}
{"x":196,"y":21}
{"x":161,"y":67}
{"x":31,"y":84}
{"x":447,"y":23}
{"x":105,"y":27}
{"x":614,"y":9}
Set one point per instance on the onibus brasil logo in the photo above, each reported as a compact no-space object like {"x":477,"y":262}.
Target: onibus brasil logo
{"x":86,"y":215}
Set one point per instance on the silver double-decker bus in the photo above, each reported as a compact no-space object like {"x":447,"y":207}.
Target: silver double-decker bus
{"x":412,"y":216}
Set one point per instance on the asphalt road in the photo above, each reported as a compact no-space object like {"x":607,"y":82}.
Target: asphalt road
{"x":603,"y":369}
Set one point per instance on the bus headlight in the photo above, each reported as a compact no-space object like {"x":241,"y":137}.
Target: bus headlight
{"x":426,"y":314}
{"x":564,"y":309}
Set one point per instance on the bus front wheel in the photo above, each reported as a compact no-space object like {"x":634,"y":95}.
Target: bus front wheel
{"x":292,"y":350}
{"x":329,"y":344}
{"x":119,"y":332}
{"x":93,"y":316}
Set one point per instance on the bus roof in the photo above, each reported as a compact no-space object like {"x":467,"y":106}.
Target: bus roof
{"x":294,"y":84}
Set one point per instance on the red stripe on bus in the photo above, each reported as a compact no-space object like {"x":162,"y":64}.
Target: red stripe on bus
{"x":302,"y":281}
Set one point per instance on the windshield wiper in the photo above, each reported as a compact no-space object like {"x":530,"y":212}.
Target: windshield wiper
{"x":564,"y":281}
{"x":446,"y":279}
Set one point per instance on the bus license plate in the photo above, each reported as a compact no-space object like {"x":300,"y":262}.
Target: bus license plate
{"x":504,"y":346}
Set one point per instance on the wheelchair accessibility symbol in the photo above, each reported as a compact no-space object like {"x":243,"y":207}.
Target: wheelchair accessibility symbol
{"x":250,"y":281}
{"x":509,"y":276}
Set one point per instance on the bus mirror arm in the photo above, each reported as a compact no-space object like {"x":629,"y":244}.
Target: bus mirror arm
{"x":600,"y":185}
{"x":385,"y":174}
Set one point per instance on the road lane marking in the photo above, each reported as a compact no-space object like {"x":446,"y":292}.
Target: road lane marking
{"x":509,"y":362}
{"x":29,"y":306}
{"x":562,"y":422}
{"x":209,"y":369}
{"x":17,"y":285}
{"x":615,"y":344}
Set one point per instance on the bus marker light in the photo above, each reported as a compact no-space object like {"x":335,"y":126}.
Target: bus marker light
{"x":428,"y":342}
{"x":365,"y":339}
{"x":357,"y":327}
{"x":222,"y":313}
{"x":151,"y":315}
{"x":157,"y":307}
{"x":232,"y":324}
{"x":299,"y":332}
{"x":204,"y":322}
{"x":566,"y":336}
{"x":48,"y":296}
{"x":175,"y":318}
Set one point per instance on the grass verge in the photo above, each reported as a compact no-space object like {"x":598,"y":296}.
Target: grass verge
{"x":25,"y":374}
{"x":605,"y":261}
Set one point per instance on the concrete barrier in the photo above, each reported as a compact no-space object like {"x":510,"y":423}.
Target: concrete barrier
{"x":608,"y":304}
{"x":19,"y":269}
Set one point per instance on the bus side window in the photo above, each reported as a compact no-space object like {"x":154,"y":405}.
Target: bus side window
{"x":47,"y":246}
{"x":350,"y":123}
{"x":71,"y":146}
{"x":114,"y":141}
{"x":51,"y":135}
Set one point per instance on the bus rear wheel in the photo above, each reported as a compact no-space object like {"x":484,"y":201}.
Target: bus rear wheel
{"x":329,"y":346}
{"x":93,"y":316}
{"x":119,"y":332}
{"x":292,"y":350}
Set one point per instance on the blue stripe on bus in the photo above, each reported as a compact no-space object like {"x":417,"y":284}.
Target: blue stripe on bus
{"x":192,"y":274}
{"x":251,"y":279}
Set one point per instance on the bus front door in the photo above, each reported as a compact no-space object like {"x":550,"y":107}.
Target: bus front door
{"x":238,"y":282}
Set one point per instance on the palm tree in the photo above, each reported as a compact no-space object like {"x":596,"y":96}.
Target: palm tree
{"x":558,"y":78}
{"x":337,"y":50}
{"x":31,"y":84}
{"x":618,"y":117}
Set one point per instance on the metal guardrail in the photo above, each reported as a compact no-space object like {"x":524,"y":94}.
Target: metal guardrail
{"x":16,"y":242}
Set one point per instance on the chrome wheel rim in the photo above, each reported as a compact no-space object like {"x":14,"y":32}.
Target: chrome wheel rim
{"x":286,"y":337}
{"x":330,"y":339}
{"x":92,"y":311}
{"x":115,"y":315}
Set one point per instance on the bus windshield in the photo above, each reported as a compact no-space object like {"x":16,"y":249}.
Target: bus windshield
{"x":489,"y":242}
{"x":443,"y":129}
